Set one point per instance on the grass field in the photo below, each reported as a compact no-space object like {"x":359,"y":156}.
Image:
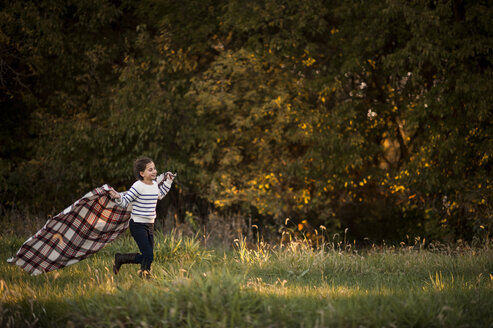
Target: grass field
{"x":265,"y":286}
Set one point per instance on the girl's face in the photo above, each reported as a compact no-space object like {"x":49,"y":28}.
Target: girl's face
{"x":149,"y":173}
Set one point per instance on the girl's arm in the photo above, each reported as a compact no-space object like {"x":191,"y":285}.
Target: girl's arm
{"x":165,"y":185}
{"x":127,"y":197}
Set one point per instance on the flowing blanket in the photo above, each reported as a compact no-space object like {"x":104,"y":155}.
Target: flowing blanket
{"x":79,"y":231}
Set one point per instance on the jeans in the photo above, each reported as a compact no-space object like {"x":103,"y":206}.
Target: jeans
{"x":143,"y":234}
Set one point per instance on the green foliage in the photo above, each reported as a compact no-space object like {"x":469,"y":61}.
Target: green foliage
{"x":371,"y":116}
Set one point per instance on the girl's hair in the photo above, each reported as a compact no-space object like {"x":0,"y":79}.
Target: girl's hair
{"x":140,"y":165}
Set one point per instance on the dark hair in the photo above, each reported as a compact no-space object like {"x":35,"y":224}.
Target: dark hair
{"x":140,"y":165}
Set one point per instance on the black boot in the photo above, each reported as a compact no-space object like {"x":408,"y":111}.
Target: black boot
{"x":123,"y":259}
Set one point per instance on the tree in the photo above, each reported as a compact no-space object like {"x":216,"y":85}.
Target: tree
{"x":372,"y":116}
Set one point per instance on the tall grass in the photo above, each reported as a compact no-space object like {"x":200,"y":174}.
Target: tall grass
{"x":260,"y":285}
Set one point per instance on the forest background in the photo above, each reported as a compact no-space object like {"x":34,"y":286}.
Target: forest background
{"x":370,"y":116}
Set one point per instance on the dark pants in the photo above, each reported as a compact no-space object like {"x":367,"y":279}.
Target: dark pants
{"x":143,"y":234}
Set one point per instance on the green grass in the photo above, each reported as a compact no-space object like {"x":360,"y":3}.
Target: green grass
{"x":288,"y":286}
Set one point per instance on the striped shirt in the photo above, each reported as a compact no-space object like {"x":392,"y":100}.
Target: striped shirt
{"x":143,"y":198}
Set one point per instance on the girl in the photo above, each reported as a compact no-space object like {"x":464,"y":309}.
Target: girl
{"x":143,"y":195}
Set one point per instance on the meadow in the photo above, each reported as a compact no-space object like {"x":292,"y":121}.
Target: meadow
{"x":259,"y":285}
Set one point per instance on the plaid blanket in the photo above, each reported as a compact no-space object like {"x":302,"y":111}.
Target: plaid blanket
{"x":79,"y":231}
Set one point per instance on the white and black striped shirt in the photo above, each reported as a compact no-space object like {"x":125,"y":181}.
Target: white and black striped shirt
{"x":143,"y":198}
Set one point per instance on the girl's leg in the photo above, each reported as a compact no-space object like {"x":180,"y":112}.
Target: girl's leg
{"x":143,"y":235}
{"x":123,"y":259}
{"x":151,"y":241}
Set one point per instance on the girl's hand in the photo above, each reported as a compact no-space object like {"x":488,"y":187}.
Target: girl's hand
{"x":169,"y":176}
{"x":114,"y":194}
